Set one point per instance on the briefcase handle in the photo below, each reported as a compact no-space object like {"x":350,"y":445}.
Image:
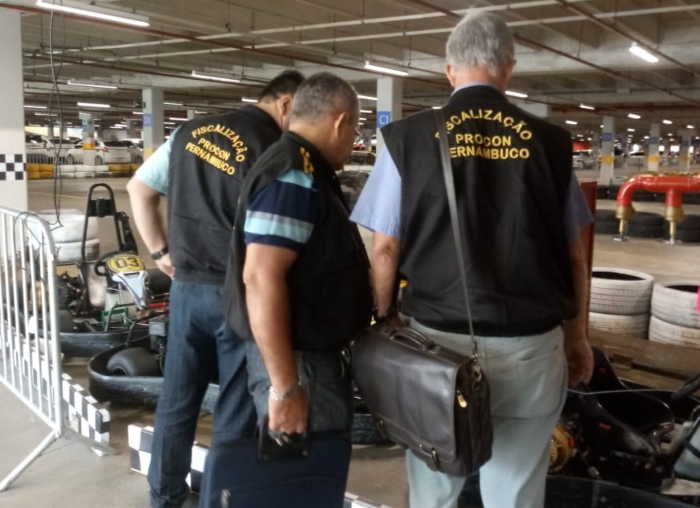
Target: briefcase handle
{"x":424,"y":343}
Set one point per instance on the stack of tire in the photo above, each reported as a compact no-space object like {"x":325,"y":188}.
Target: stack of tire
{"x":68,"y":235}
{"x":674,"y":316}
{"x":620,"y":302}
{"x":688,"y":230}
{"x":642,"y":224}
{"x":66,"y":170}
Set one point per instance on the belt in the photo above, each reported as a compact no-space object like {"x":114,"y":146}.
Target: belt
{"x":498,"y":330}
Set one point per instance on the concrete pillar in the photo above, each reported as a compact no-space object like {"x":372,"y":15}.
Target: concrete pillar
{"x":153,"y":133}
{"x":131,"y":129}
{"x":191,"y":114}
{"x":684,"y":156}
{"x":541,"y":110}
{"x":88,"y":123}
{"x":654,"y":140}
{"x":607,"y":153}
{"x":13,"y":157}
{"x":389,"y":98}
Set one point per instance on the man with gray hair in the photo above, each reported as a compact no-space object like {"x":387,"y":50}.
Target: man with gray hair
{"x":298,"y":278}
{"x":520,"y":215}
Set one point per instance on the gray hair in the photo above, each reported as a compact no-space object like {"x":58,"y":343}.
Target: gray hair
{"x":322,"y":95}
{"x":481,"y":39}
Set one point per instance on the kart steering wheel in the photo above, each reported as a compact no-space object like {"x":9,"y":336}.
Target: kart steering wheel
{"x":100,"y":263}
{"x":687,"y":388}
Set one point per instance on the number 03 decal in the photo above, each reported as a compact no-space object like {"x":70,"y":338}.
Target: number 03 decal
{"x":124,"y":263}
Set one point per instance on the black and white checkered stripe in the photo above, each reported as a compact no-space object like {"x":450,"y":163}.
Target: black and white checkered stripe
{"x":12,"y":166}
{"x":90,"y":418}
{"x":141,"y":442}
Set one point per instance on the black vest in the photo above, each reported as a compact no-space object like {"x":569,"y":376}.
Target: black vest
{"x":512,"y":173}
{"x":209,"y":159}
{"x":329,"y":287}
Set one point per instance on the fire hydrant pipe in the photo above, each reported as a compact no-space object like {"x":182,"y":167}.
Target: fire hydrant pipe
{"x":673,"y":186}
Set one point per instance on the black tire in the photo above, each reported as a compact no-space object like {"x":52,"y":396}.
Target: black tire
{"x":689,"y":222}
{"x":98,"y":161}
{"x":602,"y":192}
{"x":643,"y":196}
{"x":660,"y":197}
{"x":612,"y":191}
{"x":158,"y":282}
{"x":70,"y":160}
{"x":647,"y":219}
{"x":65,"y":321}
{"x":645,"y":231}
{"x":692,"y":198}
{"x":607,"y":228}
{"x":134,"y":362}
{"x":605,"y":216}
{"x":683,"y":235}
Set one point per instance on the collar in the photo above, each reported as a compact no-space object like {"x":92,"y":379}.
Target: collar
{"x":470,"y":85}
{"x":317,"y":157}
{"x":261,"y":115}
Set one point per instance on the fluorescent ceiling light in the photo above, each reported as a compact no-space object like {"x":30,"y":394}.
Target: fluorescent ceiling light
{"x":667,"y":122}
{"x":516,"y":94}
{"x":173,"y":103}
{"x":168,"y":123}
{"x":365,"y":111}
{"x":34,"y":107}
{"x":385,"y":70}
{"x":571,"y":122}
{"x":44,"y":114}
{"x":138,"y":113}
{"x":642,"y":53}
{"x":646,"y":137}
{"x":95,"y":12}
{"x":584,"y":106}
{"x":246,"y":99}
{"x":363,"y":119}
{"x":602,"y":126}
{"x":200,"y":112}
{"x":177,"y":119}
{"x":634,"y":117}
{"x":437,"y":107}
{"x":93,"y":105}
{"x":90,"y":85}
{"x":690,"y":127}
{"x":630,"y":130}
{"x":367,"y":97}
{"x":195,"y":74}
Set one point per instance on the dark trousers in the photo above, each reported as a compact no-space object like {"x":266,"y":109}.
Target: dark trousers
{"x":199,"y":340}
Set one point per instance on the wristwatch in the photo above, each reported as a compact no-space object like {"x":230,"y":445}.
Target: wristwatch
{"x":155,"y":256}
{"x":378,"y":320}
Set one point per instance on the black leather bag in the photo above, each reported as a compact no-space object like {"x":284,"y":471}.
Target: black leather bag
{"x":425,"y":397}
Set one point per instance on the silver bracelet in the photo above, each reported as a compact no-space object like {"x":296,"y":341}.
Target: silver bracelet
{"x":275,"y":395}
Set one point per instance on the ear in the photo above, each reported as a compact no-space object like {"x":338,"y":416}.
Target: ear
{"x":451,"y":75}
{"x":508,"y":72}
{"x":285,"y":104}
{"x":338,"y":123}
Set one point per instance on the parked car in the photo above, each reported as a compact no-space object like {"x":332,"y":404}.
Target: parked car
{"x":106,"y":152}
{"x":583,"y":160}
{"x":36,"y":148}
{"x":135,"y":147}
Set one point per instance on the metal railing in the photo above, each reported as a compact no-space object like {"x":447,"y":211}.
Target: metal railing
{"x":30,"y":361}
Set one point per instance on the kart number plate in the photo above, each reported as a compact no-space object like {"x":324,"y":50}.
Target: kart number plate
{"x":125,"y":263}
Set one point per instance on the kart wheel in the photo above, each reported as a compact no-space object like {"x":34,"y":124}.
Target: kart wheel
{"x":676,"y":303}
{"x":622,"y":292}
{"x":602,"y":192}
{"x":134,"y":362}
{"x":158,"y":282}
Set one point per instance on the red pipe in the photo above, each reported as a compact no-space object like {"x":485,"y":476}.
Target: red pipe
{"x":673,"y":186}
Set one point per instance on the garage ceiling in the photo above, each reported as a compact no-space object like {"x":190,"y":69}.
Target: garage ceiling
{"x":569,"y":52}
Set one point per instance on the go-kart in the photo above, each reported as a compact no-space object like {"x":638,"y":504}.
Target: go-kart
{"x":620,"y":444}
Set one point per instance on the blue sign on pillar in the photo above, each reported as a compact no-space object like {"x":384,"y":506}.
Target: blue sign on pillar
{"x":607,"y":137}
{"x":147,"y":120}
{"x":383,"y":118}
{"x":654,"y":140}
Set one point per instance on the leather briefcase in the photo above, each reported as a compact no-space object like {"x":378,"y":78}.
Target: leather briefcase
{"x":425,"y":397}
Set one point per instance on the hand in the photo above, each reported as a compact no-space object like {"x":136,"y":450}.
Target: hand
{"x":166,"y":266}
{"x":579,"y":356}
{"x":290,"y":415}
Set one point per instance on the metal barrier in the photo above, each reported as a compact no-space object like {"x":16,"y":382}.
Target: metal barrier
{"x":30,"y":361}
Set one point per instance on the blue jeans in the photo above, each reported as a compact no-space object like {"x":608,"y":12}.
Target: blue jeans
{"x":199,"y":339}
{"x":325,"y":379}
{"x":528,"y":379}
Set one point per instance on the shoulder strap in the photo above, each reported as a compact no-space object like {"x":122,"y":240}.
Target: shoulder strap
{"x":454,"y":216}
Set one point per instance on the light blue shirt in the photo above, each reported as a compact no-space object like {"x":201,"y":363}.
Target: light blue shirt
{"x":154,"y":172}
{"x":379,"y":205}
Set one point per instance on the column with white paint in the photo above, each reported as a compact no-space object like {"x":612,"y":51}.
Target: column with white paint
{"x":607,"y":151}
{"x":389,"y":98}
{"x":153,"y":129}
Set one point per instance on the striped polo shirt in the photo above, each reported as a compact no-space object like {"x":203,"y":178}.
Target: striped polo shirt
{"x":283,"y":213}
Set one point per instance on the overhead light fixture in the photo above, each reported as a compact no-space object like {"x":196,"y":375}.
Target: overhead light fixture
{"x":44,"y":114}
{"x":585,"y":106}
{"x":138,"y":113}
{"x":27,"y":106}
{"x":365,"y":111}
{"x":602,"y":126}
{"x":642,"y":53}
{"x":246,"y":99}
{"x":169,"y":123}
{"x":95,"y":12}
{"x":195,"y":74}
{"x":93,"y":105}
{"x":177,"y":119}
{"x":367,"y":97}
{"x":384,"y":70}
{"x":690,"y":127}
{"x":633,"y":116}
{"x":173,"y":103}
{"x":571,"y":122}
{"x":437,"y":107}
{"x":516,"y":94}
{"x":630,"y":130}
{"x":200,"y":112}
{"x":646,"y":137}
{"x":363,"y":119}
{"x":667,"y":122}
{"x":91,"y":85}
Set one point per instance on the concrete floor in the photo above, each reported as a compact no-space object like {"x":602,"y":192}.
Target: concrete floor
{"x":70,"y":475}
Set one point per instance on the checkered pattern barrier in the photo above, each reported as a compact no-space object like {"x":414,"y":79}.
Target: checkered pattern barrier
{"x":12,"y":166}
{"x":141,"y":441}
{"x":89,"y":417}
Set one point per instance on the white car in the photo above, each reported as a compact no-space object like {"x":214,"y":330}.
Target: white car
{"x":36,"y":148}
{"x":583,"y":160}
{"x":135,"y":147}
{"x":106,"y":152}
